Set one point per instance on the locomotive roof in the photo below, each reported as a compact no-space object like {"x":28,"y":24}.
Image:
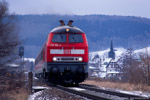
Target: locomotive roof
{"x":64,"y":28}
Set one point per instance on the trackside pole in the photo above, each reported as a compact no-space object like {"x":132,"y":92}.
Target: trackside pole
{"x":30,"y":80}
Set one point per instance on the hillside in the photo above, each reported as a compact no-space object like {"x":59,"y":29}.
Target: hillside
{"x":125,"y":31}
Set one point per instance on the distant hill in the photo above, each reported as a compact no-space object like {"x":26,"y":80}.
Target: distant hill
{"x":125,"y":31}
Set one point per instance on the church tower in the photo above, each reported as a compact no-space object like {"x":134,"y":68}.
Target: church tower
{"x":111,"y":53}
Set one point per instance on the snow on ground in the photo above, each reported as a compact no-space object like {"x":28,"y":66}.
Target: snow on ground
{"x":101,"y":54}
{"x":39,"y":87}
{"x":35,"y":78}
{"x":33,"y":96}
{"x":90,"y":67}
{"x":102,"y":74}
{"x":138,"y":93}
{"x":78,"y":89}
{"x":143,"y":50}
{"x":146,"y":95}
{"x":13,"y":65}
{"x":104,"y":53}
{"x":52,"y":93}
{"x":30,"y":59}
{"x":118,"y":52}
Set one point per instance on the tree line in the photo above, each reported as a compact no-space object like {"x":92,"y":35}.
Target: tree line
{"x":8,"y":34}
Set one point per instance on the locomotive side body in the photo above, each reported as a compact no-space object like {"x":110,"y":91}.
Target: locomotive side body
{"x":64,"y":56}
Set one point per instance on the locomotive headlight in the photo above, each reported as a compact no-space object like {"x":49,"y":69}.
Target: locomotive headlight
{"x":80,"y":58}
{"x":54,"y":58}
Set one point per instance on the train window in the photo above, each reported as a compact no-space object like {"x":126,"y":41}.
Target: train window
{"x":75,"y":38}
{"x":61,"y":38}
{"x":39,"y":58}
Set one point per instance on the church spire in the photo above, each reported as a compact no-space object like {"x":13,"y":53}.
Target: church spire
{"x":111,"y":53}
{"x":111,"y":46}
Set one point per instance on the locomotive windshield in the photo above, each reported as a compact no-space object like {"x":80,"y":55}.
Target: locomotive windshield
{"x":75,"y":38}
{"x":61,"y":38}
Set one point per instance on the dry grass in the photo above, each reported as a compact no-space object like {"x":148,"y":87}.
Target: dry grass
{"x":19,"y":94}
{"x":22,"y":94}
{"x":117,"y":85}
{"x":12,"y":88}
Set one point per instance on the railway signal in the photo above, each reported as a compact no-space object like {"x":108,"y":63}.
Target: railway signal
{"x":21,"y":51}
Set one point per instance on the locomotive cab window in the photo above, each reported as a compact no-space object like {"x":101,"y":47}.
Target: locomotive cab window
{"x":61,"y":38}
{"x":75,"y":38}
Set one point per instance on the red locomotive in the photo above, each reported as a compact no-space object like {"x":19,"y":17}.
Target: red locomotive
{"x":64,"y":56}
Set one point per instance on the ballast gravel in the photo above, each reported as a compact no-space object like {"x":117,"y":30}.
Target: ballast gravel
{"x":56,"y":94}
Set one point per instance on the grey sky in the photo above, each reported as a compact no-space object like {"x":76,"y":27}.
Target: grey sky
{"x":82,"y":7}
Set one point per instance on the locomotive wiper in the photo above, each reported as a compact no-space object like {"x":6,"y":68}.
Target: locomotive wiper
{"x":61,"y":36}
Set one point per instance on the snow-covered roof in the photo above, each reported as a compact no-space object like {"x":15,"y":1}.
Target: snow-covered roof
{"x":90,"y":67}
{"x":107,"y":60}
{"x":113,"y":72}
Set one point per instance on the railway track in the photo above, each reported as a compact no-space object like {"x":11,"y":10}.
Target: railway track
{"x":94,"y":93}
{"x":83,"y":93}
{"x":116,"y":93}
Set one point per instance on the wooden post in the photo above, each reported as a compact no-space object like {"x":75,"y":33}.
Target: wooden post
{"x":30,"y":78}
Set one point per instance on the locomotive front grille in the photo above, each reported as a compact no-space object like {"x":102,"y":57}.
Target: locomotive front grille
{"x":67,"y":59}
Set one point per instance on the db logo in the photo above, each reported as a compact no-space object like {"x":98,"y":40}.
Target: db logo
{"x":67,"y":51}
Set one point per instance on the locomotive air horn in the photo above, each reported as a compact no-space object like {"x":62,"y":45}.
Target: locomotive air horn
{"x":70,"y":22}
{"x":62,"y":22}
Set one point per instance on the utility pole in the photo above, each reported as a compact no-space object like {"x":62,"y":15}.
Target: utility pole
{"x":21,"y":54}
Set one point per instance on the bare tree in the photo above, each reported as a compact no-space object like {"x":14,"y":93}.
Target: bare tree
{"x":8,"y":34}
{"x":132,"y":68}
{"x":145,"y":59}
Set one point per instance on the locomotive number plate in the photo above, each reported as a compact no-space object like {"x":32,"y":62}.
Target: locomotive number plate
{"x":67,"y":51}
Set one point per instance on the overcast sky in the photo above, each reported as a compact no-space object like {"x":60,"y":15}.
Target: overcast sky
{"x":81,"y":7}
